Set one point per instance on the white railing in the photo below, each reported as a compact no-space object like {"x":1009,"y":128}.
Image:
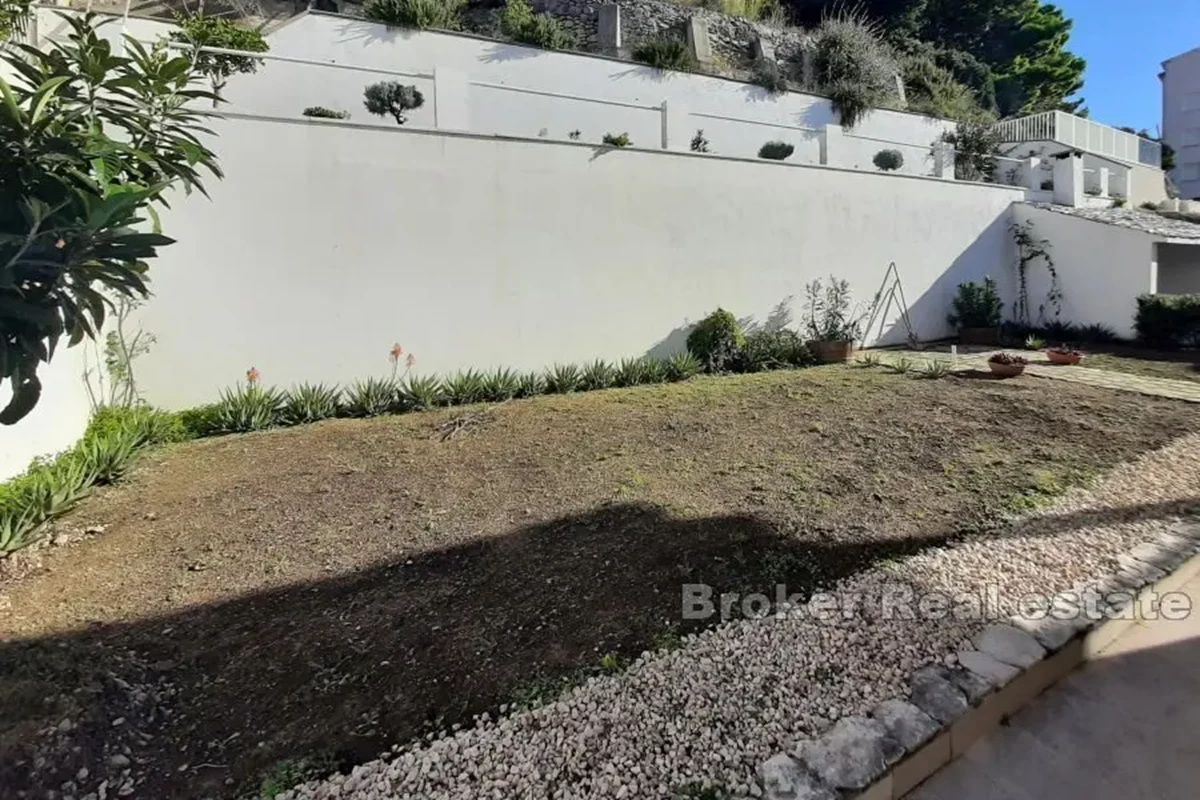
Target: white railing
{"x":1084,"y":134}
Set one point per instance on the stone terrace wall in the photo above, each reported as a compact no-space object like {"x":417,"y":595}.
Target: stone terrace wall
{"x":731,"y":38}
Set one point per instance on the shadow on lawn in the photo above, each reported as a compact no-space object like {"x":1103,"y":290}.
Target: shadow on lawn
{"x":345,"y":667}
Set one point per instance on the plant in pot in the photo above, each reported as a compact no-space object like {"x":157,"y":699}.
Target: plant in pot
{"x":1006,"y":365}
{"x":831,"y":324}
{"x":975,"y":312}
{"x":1064,"y":355}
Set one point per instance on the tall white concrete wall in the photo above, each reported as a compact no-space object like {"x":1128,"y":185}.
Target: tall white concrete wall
{"x":328,"y":242}
{"x":58,"y":419}
{"x":1102,"y":268}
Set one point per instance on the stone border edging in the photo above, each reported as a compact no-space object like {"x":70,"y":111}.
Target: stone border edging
{"x":904,"y":742}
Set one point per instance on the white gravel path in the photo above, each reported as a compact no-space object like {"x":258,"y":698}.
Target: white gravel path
{"x":734,"y":696}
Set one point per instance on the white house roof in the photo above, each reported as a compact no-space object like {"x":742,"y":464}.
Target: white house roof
{"x":1133,"y":218}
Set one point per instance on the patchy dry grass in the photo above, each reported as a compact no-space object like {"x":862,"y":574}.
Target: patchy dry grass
{"x":322,"y":592}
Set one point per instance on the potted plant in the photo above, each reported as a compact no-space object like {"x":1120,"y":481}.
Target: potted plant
{"x":975,"y":312}
{"x":1064,"y":355}
{"x":832,"y":326}
{"x":1006,"y":365}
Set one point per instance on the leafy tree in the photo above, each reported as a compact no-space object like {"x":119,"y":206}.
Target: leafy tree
{"x":392,"y":98}
{"x":90,"y":142}
{"x":14,"y":15}
{"x":203,"y":31}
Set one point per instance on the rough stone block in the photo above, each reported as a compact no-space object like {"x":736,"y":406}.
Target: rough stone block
{"x":1136,"y":569}
{"x":608,"y":28}
{"x":1010,"y":645}
{"x":851,"y":754}
{"x":975,"y":687}
{"x":762,"y":50}
{"x":933,"y":693}
{"x":698,"y":41}
{"x":782,"y":778}
{"x":989,"y":668}
{"x":1156,"y":555}
{"x":908,"y":725}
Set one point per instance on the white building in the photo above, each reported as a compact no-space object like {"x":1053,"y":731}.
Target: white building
{"x":1181,"y":118}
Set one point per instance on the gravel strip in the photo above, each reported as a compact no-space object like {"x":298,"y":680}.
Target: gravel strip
{"x":739,"y":693}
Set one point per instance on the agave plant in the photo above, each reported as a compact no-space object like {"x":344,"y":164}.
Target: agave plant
{"x":596,"y":375}
{"x":562,"y":378}
{"x":311,"y":402}
{"x":655,"y":370}
{"x":630,"y":372}
{"x":531,"y":384}
{"x":247,"y":408}
{"x":108,"y":456}
{"x":421,"y":393}
{"x":502,"y":384}
{"x":19,"y":527}
{"x":467,"y":387}
{"x":682,"y":366}
{"x":371,"y":398}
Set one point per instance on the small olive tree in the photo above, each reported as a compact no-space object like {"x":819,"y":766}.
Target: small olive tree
{"x":90,"y":142}
{"x":392,"y":98}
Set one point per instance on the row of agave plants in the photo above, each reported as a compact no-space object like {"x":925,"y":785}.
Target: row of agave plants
{"x":254,"y":406}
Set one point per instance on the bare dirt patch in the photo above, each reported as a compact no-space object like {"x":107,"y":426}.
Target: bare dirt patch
{"x":322,"y":592}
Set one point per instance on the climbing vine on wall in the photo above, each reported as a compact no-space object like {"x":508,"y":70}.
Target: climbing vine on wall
{"x":1030,"y":250}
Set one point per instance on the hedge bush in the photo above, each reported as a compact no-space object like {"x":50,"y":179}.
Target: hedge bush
{"x":717,"y":341}
{"x":1168,"y":320}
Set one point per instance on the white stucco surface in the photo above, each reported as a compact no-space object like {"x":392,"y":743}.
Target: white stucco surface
{"x":326,"y":243}
{"x":1102,"y":268}
{"x":56,"y":422}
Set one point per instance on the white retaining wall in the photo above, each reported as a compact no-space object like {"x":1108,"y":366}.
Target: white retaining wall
{"x":57,"y":421}
{"x":328,"y":242}
{"x":1102,"y":268}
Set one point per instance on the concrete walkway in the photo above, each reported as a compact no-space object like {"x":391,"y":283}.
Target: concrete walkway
{"x":1122,"y":726}
{"x":1040,"y":367}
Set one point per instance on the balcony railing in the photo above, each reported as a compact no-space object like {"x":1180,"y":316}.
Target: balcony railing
{"x":1083,"y":134}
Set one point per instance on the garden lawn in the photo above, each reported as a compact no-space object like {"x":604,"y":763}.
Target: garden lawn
{"x":265,"y":606}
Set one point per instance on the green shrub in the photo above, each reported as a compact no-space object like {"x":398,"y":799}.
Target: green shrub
{"x":1097,"y":333}
{"x":976,"y":146}
{"x":654,"y":371}
{"x":682,"y":366}
{"x":531,"y":385}
{"x":666,"y":54}
{"x":854,"y":67}
{"x":1034,"y":343}
{"x":769,"y":76}
{"x":1168,"y":320}
{"x":247,"y":408}
{"x":775,"y":349}
{"x":829,"y":317}
{"x":630,"y":372}
{"x":443,"y":14}
{"x":147,"y":425}
{"x":465,"y":387}
{"x":717,"y":341}
{"x":562,"y":378}
{"x":199,"y":421}
{"x":596,"y":375}
{"x":500,"y":385}
{"x":617,"y":139}
{"x":888,"y":160}
{"x":311,"y":403}
{"x":421,"y":393}
{"x":1058,"y":332}
{"x":322,"y":112}
{"x":518,"y":22}
{"x":371,"y":398}
{"x":976,"y":305}
{"x":776,"y":151}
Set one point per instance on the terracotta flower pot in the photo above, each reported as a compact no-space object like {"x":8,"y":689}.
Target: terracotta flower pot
{"x":978,"y":335}
{"x":829,"y":352}
{"x":1006,"y":370}
{"x":1063,"y":358}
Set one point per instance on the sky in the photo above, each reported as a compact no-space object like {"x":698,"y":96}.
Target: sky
{"x":1125,"y":43}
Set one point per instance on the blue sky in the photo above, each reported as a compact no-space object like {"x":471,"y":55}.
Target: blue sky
{"x":1125,"y":43}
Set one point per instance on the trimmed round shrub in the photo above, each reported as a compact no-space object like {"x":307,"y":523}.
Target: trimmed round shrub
{"x":774,"y":349}
{"x":889,"y":160}
{"x":717,"y":341}
{"x":776,"y":151}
